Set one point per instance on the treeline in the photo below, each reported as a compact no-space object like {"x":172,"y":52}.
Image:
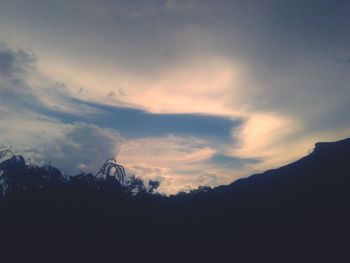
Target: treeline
{"x":296,"y":213}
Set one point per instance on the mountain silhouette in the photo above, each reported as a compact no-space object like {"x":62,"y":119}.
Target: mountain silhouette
{"x":296,"y":213}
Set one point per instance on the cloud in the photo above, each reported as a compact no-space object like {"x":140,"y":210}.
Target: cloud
{"x":111,"y":94}
{"x":265,"y":77}
{"x":163,"y":158}
{"x":274,"y":104}
{"x":34,"y":115}
{"x":79,"y":146}
{"x":77,"y":135}
{"x":70,"y":147}
{"x":24,"y":88}
{"x":231,"y":162}
{"x":16,"y":66}
{"x":15,"y":63}
{"x":179,"y":162}
{"x":133,"y":123}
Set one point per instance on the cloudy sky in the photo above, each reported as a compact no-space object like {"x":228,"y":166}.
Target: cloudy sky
{"x":188,"y":92}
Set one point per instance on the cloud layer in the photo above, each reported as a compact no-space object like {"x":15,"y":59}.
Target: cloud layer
{"x":46,"y":124}
{"x":219,"y":89}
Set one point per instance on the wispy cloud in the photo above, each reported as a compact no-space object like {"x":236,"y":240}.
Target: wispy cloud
{"x":252,"y":81}
{"x":53,"y":126}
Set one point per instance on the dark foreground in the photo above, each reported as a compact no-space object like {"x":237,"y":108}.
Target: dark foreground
{"x":297,"y":213}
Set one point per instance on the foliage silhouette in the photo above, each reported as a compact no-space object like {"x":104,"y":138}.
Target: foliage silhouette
{"x":296,"y":213}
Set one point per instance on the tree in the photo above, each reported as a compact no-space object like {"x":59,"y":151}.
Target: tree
{"x":153,"y":185}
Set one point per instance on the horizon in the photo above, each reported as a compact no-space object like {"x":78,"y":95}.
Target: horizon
{"x":189,"y":93}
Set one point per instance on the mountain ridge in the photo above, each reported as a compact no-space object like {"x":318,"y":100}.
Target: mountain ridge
{"x":299,"y":212}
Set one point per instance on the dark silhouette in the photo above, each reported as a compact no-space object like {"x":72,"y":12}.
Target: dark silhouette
{"x":112,"y":168}
{"x":296,"y":213}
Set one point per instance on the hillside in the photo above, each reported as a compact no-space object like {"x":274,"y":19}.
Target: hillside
{"x":296,"y":213}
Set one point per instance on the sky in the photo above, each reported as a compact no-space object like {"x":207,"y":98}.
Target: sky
{"x":186,"y":92}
